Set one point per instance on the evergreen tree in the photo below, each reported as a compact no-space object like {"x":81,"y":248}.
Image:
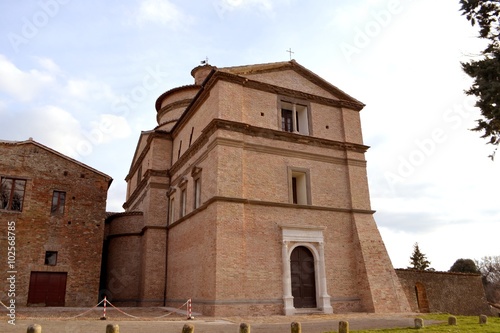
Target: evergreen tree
{"x":486,"y":70}
{"x":418,"y":260}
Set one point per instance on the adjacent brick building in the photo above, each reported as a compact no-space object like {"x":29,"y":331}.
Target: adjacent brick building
{"x":251,"y":197}
{"x":52,"y":212}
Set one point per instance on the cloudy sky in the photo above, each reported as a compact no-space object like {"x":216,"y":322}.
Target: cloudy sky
{"x":82,"y":77}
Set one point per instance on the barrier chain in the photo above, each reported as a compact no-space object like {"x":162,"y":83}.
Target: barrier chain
{"x":5,"y":306}
{"x":105,"y":300}
{"x":92,"y":308}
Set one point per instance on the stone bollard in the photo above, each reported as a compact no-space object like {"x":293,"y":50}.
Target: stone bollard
{"x":244,"y":328}
{"x":34,"y":328}
{"x":188,"y":328}
{"x":343,"y":326}
{"x":296,"y":327}
{"x":483,"y":319}
{"x":452,"y":320}
{"x":112,"y":328}
{"x":419,"y":323}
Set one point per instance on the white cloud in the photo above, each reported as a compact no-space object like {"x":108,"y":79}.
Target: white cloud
{"x":110,"y":127}
{"x":262,"y":6}
{"x":54,"y":127}
{"x":79,"y":88}
{"x":266,"y":5}
{"x":86,"y":90}
{"x":23,"y":86}
{"x":48,"y":64}
{"x":160,"y":12}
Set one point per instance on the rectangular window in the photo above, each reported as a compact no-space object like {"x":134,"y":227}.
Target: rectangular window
{"x":58,"y":200}
{"x":183,"y":202}
{"x":139,"y":175}
{"x":172,"y":210}
{"x":294,"y":117}
{"x":51,"y":258}
{"x":299,"y":188}
{"x":197,"y":193}
{"x":286,"y":120}
{"x":12,"y":194}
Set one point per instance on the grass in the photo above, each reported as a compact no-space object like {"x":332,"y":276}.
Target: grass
{"x":465,"y":324}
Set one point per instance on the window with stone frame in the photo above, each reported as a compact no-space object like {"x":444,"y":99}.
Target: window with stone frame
{"x":197,"y":193}
{"x":299,"y":186}
{"x":183,"y":202}
{"x":294,"y":116}
{"x":12,"y":193}
{"x":58,"y":202}
{"x":196,"y":174}
{"x":172,"y":209}
{"x":171,"y":204}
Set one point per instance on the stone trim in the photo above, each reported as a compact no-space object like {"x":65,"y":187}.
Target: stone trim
{"x":145,"y":182}
{"x":140,"y":233}
{"x":215,"y":199}
{"x":195,"y":171}
{"x":174,"y":105}
{"x":111,"y":215}
{"x":312,"y":238}
{"x":220,"y":124}
{"x":266,"y":87}
{"x":172,"y":91}
{"x":290,"y":65}
{"x":152,"y":135}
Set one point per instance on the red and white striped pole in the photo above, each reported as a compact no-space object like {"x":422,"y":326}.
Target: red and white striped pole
{"x":104,"y":310}
{"x":189,"y":309}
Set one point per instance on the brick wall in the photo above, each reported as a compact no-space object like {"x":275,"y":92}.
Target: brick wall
{"x":76,"y":235}
{"x":454,"y":293}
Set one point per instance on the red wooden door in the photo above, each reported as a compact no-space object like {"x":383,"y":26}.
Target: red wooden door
{"x":47,"y":288}
{"x":303,"y":278}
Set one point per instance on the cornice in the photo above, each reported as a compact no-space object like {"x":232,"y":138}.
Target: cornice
{"x":267,"y":133}
{"x":268,"y":204}
{"x":145,"y":182}
{"x":174,"y":105}
{"x":267,"y":87}
{"x":172,"y":91}
{"x":155,"y":134}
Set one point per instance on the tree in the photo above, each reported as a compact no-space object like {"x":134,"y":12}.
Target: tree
{"x":464,"y":266}
{"x":485,"y":71}
{"x":490,"y":270}
{"x":418,"y":260}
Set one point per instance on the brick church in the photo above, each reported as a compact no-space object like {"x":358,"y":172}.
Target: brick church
{"x":251,"y":197}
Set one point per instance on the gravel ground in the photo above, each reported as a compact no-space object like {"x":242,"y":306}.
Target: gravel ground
{"x":168,"y":320}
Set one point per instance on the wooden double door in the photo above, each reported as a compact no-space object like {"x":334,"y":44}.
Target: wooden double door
{"x":47,"y":288}
{"x":303,"y":278}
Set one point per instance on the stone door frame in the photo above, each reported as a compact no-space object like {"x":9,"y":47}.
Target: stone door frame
{"x":311,"y":238}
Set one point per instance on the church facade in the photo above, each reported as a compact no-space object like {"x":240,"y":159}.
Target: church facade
{"x":251,"y":197}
